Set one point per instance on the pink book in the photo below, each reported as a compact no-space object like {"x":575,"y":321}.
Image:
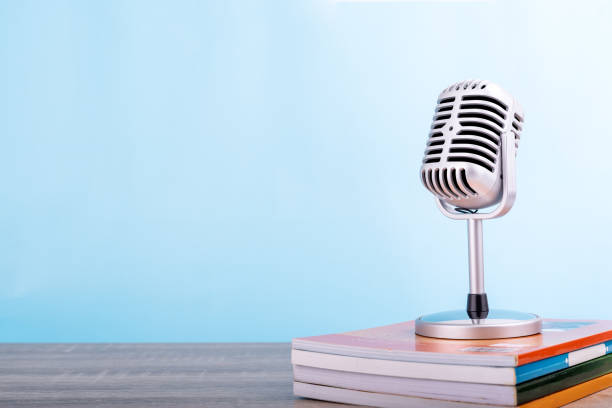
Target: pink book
{"x":398,"y":342}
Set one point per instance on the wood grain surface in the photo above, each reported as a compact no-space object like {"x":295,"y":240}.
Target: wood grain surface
{"x":159,"y":375}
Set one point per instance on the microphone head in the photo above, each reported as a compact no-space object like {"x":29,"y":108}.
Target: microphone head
{"x":462,"y":163}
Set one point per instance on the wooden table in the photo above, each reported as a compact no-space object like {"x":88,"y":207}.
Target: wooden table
{"x":159,"y":375}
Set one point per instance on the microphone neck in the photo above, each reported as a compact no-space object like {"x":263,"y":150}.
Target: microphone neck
{"x":475,"y":255}
{"x":477,"y":304}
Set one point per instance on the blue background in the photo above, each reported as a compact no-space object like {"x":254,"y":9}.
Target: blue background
{"x":248,"y":171}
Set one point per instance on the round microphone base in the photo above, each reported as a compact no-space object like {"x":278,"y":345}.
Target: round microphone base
{"x":499,"y":324}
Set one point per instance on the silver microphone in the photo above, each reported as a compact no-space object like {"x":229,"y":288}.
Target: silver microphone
{"x":469,"y":165}
{"x":462,"y":163}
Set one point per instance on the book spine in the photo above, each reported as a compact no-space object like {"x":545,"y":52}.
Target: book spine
{"x":548,"y":384}
{"x":549,"y":365}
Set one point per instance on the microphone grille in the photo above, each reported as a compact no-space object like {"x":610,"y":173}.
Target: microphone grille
{"x":462,"y":157}
{"x":436,"y":136}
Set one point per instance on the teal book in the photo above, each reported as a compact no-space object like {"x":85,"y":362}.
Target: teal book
{"x":550,"y":365}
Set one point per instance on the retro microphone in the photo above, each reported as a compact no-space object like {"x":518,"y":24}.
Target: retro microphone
{"x":469,"y":166}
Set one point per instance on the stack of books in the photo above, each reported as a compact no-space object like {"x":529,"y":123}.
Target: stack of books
{"x":391,"y":366}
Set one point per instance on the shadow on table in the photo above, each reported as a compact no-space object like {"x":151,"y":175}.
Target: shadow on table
{"x":310,"y":403}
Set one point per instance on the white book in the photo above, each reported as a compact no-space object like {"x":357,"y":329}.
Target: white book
{"x":373,"y":399}
{"x":444,"y":390}
{"x":408,"y":369}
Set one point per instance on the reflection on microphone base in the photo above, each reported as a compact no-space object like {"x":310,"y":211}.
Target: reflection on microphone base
{"x":456,"y":324}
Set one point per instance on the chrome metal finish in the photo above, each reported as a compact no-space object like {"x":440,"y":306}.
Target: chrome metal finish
{"x":456,"y":324}
{"x":469,"y":166}
{"x":508,"y":186}
{"x":475,"y":255}
{"x":463,"y":163}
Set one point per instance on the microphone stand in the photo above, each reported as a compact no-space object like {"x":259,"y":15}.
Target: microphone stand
{"x":477,"y":303}
{"x":482,"y":323}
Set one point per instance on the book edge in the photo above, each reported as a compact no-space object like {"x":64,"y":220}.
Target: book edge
{"x":412,"y":356}
{"x":496,"y":394}
{"x":394,"y":368}
{"x":560,"y":398}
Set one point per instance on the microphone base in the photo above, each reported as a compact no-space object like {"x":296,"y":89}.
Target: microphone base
{"x":499,"y":324}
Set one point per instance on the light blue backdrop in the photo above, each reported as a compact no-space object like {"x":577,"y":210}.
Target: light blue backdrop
{"x":248,"y":171}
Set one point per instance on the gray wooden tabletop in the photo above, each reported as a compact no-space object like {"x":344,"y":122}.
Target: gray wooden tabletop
{"x":159,"y":375}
